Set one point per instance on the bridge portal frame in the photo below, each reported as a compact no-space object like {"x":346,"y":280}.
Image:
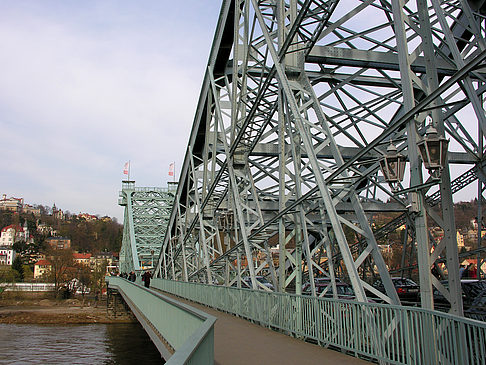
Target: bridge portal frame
{"x":147,"y":211}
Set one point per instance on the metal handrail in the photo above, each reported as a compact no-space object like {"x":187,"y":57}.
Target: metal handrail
{"x":190,"y":332}
{"x":392,"y":334}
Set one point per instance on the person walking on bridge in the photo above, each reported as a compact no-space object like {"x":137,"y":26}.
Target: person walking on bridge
{"x":132,"y":276}
{"x":146,"y":278}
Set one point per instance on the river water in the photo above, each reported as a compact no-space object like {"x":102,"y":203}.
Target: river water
{"x":123,"y":344}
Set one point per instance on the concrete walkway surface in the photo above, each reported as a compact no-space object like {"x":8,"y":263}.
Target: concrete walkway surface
{"x":238,"y":341}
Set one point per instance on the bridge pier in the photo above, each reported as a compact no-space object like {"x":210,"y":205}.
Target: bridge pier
{"x":116,"y":307}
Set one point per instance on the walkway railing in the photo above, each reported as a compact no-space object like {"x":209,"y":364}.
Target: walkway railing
{"x":170,"y":324}
{"x":392,"y":334}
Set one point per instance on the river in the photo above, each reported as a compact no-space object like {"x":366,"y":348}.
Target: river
{"x":123,"y":344}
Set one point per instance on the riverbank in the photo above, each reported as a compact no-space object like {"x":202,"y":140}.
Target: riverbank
{"x":44,"y":310}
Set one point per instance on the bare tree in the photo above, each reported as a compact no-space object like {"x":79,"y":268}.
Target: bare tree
{"x":62,"y":264}
{"x":85,"y":278}
{"x":98,"y":279}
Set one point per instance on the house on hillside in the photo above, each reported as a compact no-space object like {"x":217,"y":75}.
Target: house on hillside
{"x":11,"y":204}
{"x":57,"y":213}
{"x":100,"y":257}
{"x":41,"y":268}
{"x":82,"y":258}
{"x":460,"y":239}
{"x":45,"y":229}
{"x":7,"y":256}
{"x":59,"y":243}
{"x":87,"y":217}
{"x":14,"y":233}
{"x":109,"y":258}
{"x":27,"y":208}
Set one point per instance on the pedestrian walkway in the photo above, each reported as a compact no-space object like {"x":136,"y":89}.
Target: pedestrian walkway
{"x":238,"y":341}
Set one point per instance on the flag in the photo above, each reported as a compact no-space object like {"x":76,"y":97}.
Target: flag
{"x":171,"y":169}
{"x":126,"y":168}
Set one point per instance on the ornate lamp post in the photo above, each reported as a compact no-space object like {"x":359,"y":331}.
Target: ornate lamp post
{"x":433,"y":150}
{"x":393,"y":166}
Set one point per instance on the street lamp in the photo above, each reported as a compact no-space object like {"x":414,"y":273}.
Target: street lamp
{"x":433,"y":150}
{"x":393,"y":166}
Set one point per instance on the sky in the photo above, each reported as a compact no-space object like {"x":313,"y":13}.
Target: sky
{"x":86,"y":86}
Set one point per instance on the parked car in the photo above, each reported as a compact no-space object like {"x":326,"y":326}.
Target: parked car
{"x":473,"y":295}
{"x":407,"y":289}
{"x":320,"y":283}
{"x":343,"y":291}
{"x":246,"y":282}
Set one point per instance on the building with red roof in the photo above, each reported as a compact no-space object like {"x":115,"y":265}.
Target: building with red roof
{"x":14,"y":233}
{"x":11,"y":204}
{"x":82,"y":258}
{"x":41,"y":268}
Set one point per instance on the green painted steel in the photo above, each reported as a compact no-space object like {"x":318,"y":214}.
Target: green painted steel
{"x":188,"y":331}
{"x":147,"y":211}
{"x":393,"y":334}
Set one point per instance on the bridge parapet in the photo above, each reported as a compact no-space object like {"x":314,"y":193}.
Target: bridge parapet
{"x":389,"y":334}
{"x":182,"y":334}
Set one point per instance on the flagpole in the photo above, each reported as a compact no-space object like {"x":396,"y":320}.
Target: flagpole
{"x":129,"y":170}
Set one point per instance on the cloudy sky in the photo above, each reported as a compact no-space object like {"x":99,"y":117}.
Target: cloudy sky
{"x":87,"y":85}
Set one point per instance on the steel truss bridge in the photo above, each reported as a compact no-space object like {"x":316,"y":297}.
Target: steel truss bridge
{"x":283,"y":175}
{"x":147,"y":211}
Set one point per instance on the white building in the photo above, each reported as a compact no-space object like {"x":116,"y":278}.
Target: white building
{"x":460,"y":240}
{"x":14,"y":233}
{"x":11,"y":204}
{"x":45,"y":229}
{"x":7,"y":256}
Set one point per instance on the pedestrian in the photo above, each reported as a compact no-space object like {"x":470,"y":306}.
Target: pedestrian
{"x":462,"y":271}
{"x":132,"y":276}
{"x":146,"y":278}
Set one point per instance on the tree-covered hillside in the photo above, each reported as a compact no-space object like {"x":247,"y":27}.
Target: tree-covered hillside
{"x":86,"y":236}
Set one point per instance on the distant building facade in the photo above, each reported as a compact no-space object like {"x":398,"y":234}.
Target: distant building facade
{"x":99,"y":258}
{"x":14,"y":233}
{"x":11,"y":204}
{"x":41,"y":268}
{"x":17,"y":205}
{"x":82,"y":258}
{"x":30,"y":209}
{"x":7,"y":256}
{"x":87,"y":217}
{"x":460,"y":240}
{"x":57,"y":213}
{"x":59,"y":243}
{"x":46,"y":230}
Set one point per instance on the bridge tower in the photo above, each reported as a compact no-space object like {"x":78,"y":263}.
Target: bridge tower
{"x":147,"y":210}
{"x":316,"y":117}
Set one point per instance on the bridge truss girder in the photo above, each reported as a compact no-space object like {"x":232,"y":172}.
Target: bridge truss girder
{"x":147,"y":211}
{"x":299,"y":103}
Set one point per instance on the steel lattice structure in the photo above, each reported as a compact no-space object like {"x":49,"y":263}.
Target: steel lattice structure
{"x":147,"y":211}
{"x":299,"y":103}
